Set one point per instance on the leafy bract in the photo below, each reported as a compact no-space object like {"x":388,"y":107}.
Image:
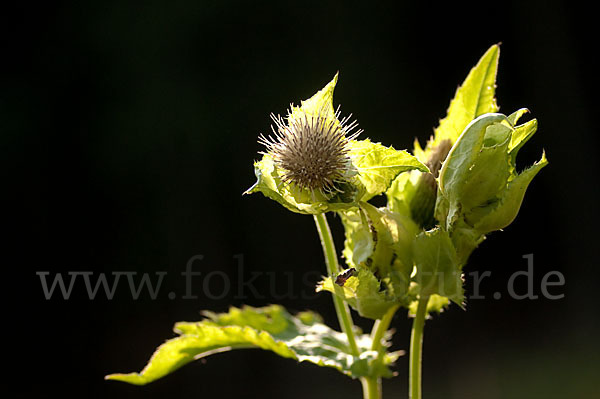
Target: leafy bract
{"x":458,"y":167}
{"x":269,"y":183}
{"x":479,"y":187}
{"x":480,"y":190}
{"x":401,"y":193}
{"x":320,"y":104}
{"x":393,"y":235}
{"x":460,"y":160}
{"x":360,"y":240}
{"x":362,"y":292}
{"x":378,"y":166}
{"x":505,"y":209}
{"x":438,"y":270}
{"x":520,"y":136}
{"x":302,"y":338}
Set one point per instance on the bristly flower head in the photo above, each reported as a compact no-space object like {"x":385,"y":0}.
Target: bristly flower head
{"x":312,"y":162}
{"x":312,"y":149}
{"x":311,"y":144}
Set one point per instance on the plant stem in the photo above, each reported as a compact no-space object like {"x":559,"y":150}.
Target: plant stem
{"x":416,"y":345}
{"x":331,"y":260}
{"x":371,"y":387}
{"x":380,"y":327}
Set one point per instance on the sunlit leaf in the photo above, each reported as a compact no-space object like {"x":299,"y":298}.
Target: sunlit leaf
{"x":378,"y":166}
{"x":436,"y":304}
{"x":438,"y":270}
{"x":473,"y":98}
{"x":502,"y":213}
{"x":320,"y":104}
{"x":362,"y":292}
{"x":302,"y":338}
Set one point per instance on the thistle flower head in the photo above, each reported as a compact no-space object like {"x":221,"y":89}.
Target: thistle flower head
{"x":312,"y":163}
{"x":312,"y":148}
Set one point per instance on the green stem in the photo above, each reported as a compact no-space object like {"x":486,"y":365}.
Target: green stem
{"x":331,"y":260}
{"x":371,"y":387}
{"x":416,"y":345}
{"x":380,"y":327}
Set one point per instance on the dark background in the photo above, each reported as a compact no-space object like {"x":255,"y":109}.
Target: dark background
{"x":130,"y":130}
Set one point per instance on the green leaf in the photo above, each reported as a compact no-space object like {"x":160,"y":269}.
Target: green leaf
{"x":320,"y":104}
{"x":505,"y":210}
{"x":515,"y":116}
{"x":359,"y":244}
{"x":473,"y":98}
{"x":490,"y":171}
{"x":302,"y":338}
{"x":362,"y":292}
{"x":436,"y":304}
{"x":438,"y":270}
{"x":378,"y":165}
{"x":442,"y":209}
{"x":465,"y":240}
{"x":401,"y":193}
{"x":519,"y":137}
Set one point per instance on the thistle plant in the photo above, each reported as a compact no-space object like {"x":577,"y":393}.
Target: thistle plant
{"x":442,"y":202}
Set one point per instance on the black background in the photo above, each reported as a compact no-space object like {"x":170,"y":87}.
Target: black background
{"x":130,"y":132}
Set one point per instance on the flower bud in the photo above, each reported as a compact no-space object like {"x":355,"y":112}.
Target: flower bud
{"x":479,"y":188}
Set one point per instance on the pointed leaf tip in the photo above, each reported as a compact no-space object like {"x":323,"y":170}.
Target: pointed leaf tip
{"x":473,"y":98}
